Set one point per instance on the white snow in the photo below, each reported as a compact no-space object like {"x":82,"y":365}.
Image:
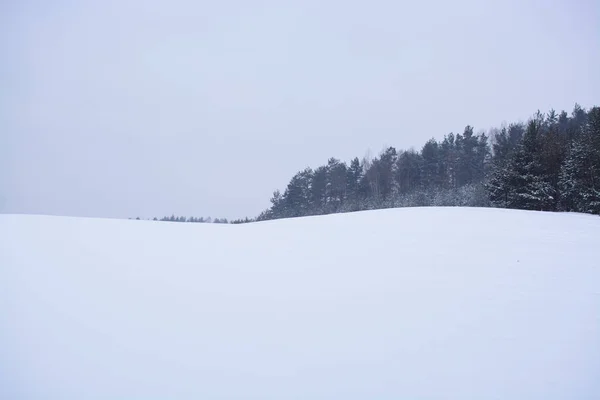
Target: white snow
{"x":421,"y":303}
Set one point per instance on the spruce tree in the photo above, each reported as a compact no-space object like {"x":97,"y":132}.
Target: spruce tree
{"x":521,"y":182}
{"x":580,"y":174}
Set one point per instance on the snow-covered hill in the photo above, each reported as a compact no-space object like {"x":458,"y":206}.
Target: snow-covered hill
{"x":422,"y":303}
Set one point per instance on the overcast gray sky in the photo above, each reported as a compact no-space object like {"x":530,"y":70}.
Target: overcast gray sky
{"x":147,"y":108}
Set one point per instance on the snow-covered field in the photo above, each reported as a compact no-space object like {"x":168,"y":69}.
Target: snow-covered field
{"x":422,"y":303}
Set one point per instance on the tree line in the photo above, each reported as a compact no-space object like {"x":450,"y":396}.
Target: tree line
{"x":201,"y":220}
{"x":550,"y":163}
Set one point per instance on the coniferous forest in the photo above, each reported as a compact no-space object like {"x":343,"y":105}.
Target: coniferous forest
{"x":549,"y":163}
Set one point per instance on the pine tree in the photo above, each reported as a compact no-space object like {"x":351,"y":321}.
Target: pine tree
{"x":431,"y":163}
{"x":580,"y":174}
{"x":297,"y":194}
{"x":386,"y":171}
{"x":449,"y":157}
{"x":467,"y":158}
{"x":408,"y":172}
{"x":521,"y":183}
{"x":552,"y":153}
{"x":336,"y":185}
{"x":354,"y":176}
{"x":318,"y":191}
{"x":277,"y":209}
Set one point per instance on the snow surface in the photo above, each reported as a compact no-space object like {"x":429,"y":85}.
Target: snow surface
{"x":421,"y":303}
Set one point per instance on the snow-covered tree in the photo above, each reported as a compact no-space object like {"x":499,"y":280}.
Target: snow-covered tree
{"x":521,"y":183}
{"x":580,"y":174}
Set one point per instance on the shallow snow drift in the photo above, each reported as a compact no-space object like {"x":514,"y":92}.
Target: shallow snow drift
{"x":422,"y":303}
